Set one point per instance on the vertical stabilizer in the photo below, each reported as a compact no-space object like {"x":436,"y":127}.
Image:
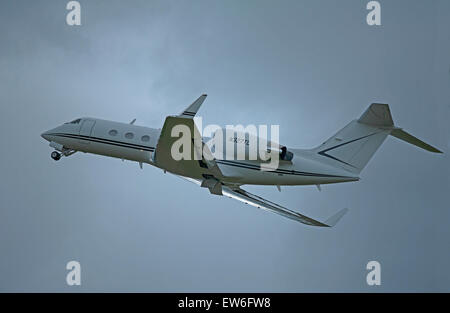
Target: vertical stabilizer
{"x":353,"y":146}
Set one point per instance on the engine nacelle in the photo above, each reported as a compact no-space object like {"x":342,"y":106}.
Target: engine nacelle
{"x":243,"y":146}
{"x":286,"y":155}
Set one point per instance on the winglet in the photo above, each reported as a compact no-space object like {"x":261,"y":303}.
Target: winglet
{"x":194,"y":107}
{"x":335,"y":218}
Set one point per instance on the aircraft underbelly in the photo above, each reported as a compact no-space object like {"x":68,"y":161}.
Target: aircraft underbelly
{"x":107,"y":150}
{"x":120,"y":152}
{"x":255,"y":176}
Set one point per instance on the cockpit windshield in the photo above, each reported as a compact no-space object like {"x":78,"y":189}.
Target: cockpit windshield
{"x":77,"y":121}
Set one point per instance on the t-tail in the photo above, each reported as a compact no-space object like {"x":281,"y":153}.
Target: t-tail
{"x":353,"y":146}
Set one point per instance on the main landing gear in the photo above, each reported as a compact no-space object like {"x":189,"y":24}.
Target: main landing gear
{"x":55,"y":155}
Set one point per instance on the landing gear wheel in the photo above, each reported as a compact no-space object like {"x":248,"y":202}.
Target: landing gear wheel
{"x":55,"y":155}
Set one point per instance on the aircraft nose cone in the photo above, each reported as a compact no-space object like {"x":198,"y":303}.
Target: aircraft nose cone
{"x":45,"y":136}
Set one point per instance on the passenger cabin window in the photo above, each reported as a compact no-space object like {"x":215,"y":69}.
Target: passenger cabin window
{"x":129,"y":135}
{"x":145,"y":138}
{"x":113,"y":132}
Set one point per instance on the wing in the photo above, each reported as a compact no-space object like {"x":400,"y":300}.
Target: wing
{"x":195,"y":164}
{"x":257,"y":201}
{"x":260,"y":203}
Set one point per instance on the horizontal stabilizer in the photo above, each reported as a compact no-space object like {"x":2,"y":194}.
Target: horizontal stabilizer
{"x":402,"y":135}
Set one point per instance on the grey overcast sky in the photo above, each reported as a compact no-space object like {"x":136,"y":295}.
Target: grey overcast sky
{"x":309,"y":66}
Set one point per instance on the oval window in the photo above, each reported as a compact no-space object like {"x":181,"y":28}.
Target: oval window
{"x":113,"y":132}
{"x":145,"y":138}
{"x":129,"y":135}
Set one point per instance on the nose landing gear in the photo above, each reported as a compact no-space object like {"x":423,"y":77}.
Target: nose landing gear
{"x":55,"y":155}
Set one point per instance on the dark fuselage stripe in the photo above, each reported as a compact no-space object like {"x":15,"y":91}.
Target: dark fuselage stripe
{"x":278,"y":171}
{"x":224,"y":162}
{"x":106,"y":141}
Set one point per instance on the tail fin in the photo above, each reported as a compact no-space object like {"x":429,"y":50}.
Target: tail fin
{"x":353,"y":146}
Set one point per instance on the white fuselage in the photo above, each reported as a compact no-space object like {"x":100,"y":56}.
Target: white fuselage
{"x":137,"y":143}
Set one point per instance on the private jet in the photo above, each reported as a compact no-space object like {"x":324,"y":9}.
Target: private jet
{"x":339,"y":159}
